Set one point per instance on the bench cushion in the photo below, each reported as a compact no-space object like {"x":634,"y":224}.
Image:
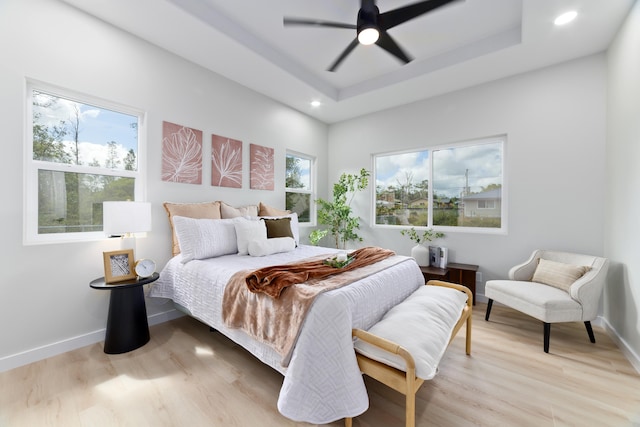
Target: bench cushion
{"x":422,"y":324}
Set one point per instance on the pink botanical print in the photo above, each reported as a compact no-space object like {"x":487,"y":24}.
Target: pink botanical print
{"x":226,"y":162}
{"x":261,"y":167}
{"x":181,"y":154}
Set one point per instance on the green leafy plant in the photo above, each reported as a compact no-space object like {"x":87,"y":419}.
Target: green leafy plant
{"x":428,"y":235}
{"x":338,"y":215}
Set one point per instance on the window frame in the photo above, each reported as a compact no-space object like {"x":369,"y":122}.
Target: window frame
{"x":312,"y":185}
{"x":32,"y":166}
{"x":503,"y":229}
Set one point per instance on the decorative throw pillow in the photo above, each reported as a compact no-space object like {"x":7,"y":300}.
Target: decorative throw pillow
{"x":278,"y":227}
{"x":205,"y":238}
{"x":271,"y":246}
{"x":264,"y":210}
{"x":248,"y":230}
{"x":293,"y":225}
{"x":227,"y":211}
{"x":210,"y":210}
{"x":558,"y":274}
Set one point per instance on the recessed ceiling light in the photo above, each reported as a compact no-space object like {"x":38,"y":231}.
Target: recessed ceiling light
{"x":315,"y":103}
{"x":566,"y":17}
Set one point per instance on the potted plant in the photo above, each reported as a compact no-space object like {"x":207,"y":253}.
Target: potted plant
{"x":338,"y":215}
{"x":420,"y":252}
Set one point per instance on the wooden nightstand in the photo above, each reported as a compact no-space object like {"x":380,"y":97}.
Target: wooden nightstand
{"x":435,"y":273}
{"x":127,"y":326}
{"x":463,"y":274}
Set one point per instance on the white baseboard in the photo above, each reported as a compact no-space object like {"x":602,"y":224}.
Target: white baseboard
{"x":628,"y":352}
{"x":50,"y":350}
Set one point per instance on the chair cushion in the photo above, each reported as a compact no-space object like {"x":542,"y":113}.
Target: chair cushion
{"x":538,"y":300}
{"x":558,"y":274}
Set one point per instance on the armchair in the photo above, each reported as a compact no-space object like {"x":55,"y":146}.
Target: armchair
{"x":563,"y":287}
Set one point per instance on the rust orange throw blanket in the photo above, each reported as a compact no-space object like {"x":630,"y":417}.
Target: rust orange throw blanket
{"x":277,"y":321}
{"x":274,"y":279}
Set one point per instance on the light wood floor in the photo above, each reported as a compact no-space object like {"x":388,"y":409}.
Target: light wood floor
{"x":187,"y":376}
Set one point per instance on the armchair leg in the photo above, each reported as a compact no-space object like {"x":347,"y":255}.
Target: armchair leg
{"x":592,"y":338}
{"x":547,"y":333}
{"x":488,"y":312}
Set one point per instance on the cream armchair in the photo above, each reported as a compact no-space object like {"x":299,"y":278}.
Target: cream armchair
{"x":553,"y":287}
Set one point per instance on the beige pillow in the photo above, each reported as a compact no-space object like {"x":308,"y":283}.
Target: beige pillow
{"x":558,"y":274}
{"x":264,"y":210}
{"x":230,"y":212}
{"x":206,"y":210}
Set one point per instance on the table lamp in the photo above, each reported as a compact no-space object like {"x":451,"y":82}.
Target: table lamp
{"x":125,"y":218}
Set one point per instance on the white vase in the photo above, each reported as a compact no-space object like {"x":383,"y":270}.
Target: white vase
{"x":421,"y":254}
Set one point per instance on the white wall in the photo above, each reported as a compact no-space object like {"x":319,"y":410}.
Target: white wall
{"x":47,"y":305}
{"x":622,"y":242}
{"x":554,"y":120}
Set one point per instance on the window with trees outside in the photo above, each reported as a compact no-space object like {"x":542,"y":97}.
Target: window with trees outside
{"x":80,"y":153}
{"x":458,"y":186}
{"x":299,"y":192}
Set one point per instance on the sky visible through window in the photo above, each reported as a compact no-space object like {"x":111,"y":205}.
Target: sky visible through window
{"x":393,"y":168}
{"x":481,"y":163}
{"x":97,"y":127}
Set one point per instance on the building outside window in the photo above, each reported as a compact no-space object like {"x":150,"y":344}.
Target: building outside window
{"x":81,"y":152}
{"x":466,"y":190}
{"x":299,"y":186}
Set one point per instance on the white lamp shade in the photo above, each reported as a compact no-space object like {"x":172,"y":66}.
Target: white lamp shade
{"x":126,"y":217}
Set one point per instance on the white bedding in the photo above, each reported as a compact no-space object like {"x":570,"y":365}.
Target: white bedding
{"x":322,"y":382}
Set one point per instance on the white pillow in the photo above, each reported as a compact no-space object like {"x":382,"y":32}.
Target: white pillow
{"x":246,"y":231}
{"x":262,"y":247}
{"x":205,"y":238}
{"x":294,"y":225}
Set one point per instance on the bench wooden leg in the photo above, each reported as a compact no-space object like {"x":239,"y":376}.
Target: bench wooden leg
{"x":468,"y":337}
{"x":410,"y":413}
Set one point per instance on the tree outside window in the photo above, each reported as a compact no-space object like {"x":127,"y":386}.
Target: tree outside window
{"x":298,"y":186}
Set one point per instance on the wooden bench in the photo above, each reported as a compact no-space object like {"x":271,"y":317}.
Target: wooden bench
{"x":403,"y":377}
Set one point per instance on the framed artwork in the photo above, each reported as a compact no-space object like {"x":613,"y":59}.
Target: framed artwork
{"x":118,"y":266}
{"x":181,"y":154}
{"x":261,"y":163}
{"x":226,"y":162}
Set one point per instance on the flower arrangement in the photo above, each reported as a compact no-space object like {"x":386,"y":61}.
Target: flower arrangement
{"x":427,"y":236}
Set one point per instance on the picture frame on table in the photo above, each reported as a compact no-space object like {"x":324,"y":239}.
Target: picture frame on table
{"x":118,"y":266}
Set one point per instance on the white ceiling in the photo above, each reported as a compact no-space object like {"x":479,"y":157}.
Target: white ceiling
{"x":459,"y":45}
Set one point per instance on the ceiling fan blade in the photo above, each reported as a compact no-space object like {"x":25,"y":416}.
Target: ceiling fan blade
{"x":316,"y":23}
{"x":387,"y":43}
{"x":400,"y":15}
{"x":344,"y":54}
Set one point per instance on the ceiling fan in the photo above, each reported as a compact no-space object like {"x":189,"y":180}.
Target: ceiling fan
{"x":372,"y":26}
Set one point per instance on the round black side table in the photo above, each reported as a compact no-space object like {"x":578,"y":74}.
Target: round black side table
{"x":127,"y":326}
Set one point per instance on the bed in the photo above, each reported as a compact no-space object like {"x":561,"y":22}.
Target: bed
{"x":322,"y":381}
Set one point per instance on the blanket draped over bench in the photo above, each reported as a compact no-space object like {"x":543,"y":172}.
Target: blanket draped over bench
{"x":277,"y":321}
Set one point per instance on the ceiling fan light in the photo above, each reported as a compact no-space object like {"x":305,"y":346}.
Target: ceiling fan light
{"x":368,"y":36}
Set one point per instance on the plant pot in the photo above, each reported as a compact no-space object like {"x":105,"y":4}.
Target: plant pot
{"x":421,"y":254}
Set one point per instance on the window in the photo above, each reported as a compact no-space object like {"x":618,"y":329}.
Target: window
{"x":299,"y":193}
{"x":466,"y":190}
{"x":486,"y":204}
{"x":80,"y":152}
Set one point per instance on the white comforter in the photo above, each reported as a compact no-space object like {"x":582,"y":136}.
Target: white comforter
{"x":322,"y":382}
